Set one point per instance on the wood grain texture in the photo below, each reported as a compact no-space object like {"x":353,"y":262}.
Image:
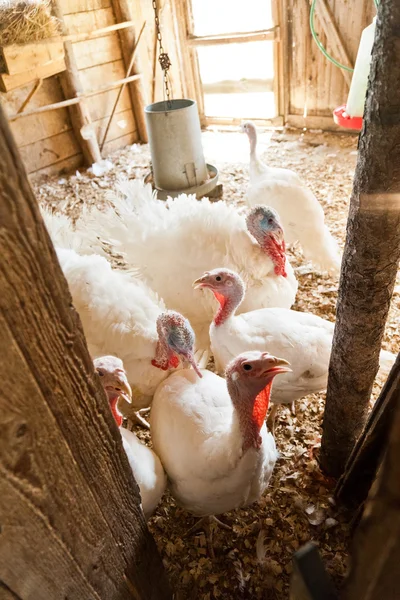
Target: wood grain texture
{"x":375,"y":555}
{"x":124,"y":12}
{"x":316,"y":85}
{"x":71,"y":84}
{"x":99,"y":51}
{"x":69,"y":507}
{"x":372,"y":252}
{"x":85,"y":22}
{"x":363,"y":464}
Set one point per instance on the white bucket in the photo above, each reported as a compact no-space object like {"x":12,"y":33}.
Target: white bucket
{"x":175,"y":145}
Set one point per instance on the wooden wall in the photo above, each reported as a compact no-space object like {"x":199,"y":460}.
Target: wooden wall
{"x":47,"y":141}
{"x":316,"y":86}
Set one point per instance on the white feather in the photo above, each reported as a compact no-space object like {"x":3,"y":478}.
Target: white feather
{"x":196,"y":434}
{"x":301,"y":214}
{"x":174,"y":242}
{"x":147,"y":470}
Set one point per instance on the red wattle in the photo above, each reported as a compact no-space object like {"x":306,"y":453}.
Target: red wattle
{"x":277,"y":253}
{"x":163,"y":367}
{"x":174,"y":361}
{"x":116,"y":415}
{"x":261,"y":404}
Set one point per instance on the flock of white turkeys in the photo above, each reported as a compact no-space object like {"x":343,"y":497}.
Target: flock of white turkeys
{"x":203,"y":278}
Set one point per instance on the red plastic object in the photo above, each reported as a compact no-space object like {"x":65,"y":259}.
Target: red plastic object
{"x":344,"y":120}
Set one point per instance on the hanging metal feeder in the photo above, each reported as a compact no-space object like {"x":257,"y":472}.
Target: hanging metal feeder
{"x":178,"y":164}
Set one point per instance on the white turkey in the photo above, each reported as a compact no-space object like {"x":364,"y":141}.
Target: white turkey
{"x":301,"y":214}
{"x":303,"y":339}
{"x":171,"y":242}
{"x":211,"y":437}
{"x":144,"y":462}
{"x":122,"y":316}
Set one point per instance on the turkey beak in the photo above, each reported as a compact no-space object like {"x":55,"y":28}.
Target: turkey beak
{"x":276,"y":365}
{"x":200,"y":282}
{"x":123,"y":387}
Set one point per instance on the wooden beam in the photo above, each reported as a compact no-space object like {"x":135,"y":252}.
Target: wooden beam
{"x":375,"y":556}
{"x":72,"y":88}
{"x":371,"y":254}
{"x":123,"y":12}
{"x":331,"y":31}
{"x":234,"y":38}
{"x":120,"y":91}
{"x":71,"y":522}
{"x":77,"y":100}
{"x":363,"y":464}
{"x":76,"y":37}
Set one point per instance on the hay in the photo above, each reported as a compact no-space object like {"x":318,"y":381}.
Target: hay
{"x":27,"y":21}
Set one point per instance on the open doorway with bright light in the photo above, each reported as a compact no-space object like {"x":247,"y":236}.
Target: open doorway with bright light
{"x":236,"y":59}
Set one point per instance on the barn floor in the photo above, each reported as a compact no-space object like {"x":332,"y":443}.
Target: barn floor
{"x":254,"y":560}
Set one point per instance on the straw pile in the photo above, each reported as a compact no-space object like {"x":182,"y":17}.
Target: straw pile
{"x":26,"y":21}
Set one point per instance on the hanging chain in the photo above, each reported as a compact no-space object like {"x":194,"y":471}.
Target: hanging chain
{"x":163,"y":58}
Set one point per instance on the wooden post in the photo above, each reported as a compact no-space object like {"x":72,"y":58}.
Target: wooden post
{"x":372,"y":251}
{"x":375,"y":557}
{"x":123,"y":12}
{"x":363,"y":464}
{"x":71,"y":524}
{"x":72,"y":88}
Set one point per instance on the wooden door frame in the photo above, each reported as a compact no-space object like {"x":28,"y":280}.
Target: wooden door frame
{"x":192,"y":83}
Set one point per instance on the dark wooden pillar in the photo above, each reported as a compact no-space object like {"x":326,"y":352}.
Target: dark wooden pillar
{"x":372,"y":251}
{"x":71,"y":526}
{"x":364,"y":461}
{"x":375,"y":557}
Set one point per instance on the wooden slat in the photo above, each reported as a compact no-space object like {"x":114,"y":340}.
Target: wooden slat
{"x":99,"y":75}
{"x":97,"y":52}
{"x":17,"y":57}
{"x":234,"y":38}
{"x":122,"y":124}
{"x":80,"y":6}
{"x":101,"y":105}
{"x":11,"y":82}
{"x":120,"y":142}
{"x":89,"y":21}
{"x":51,"y":150}
{"x":81,"y":37}
{"x":67,"y":165}
{"x":35,"y":128}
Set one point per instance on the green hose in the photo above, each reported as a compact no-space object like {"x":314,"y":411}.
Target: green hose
{"x":319,"y":44}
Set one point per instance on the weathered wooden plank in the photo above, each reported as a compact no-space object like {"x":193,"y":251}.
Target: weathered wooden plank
{"x":85,"y":22}
{"x":98,"y":51}
{"x":65,"y":476}
{"x":67,"y":165}
{"x":99,"y":75}
{"x":120,"y":142}
{"x":11,"y":82}
{"x":81,"y":6}
{"x":17,"y":57}
{"x":6,"y":593}
{"x":101,"y":105}
{"x":50,"y":150}
{"x":36,"y":128}
{"x":363,"y":464}
{"x":122,"y":124}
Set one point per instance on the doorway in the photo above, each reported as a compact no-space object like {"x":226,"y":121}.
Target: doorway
{"x":235,"y":59}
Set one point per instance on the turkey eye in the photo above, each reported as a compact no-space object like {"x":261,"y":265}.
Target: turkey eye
{"x":270,"y":221}
{"x":218,"y":278}
{"x":100,"y":373}
{"x":247,"y":367}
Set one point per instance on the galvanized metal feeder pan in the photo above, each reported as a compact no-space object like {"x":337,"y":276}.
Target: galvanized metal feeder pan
{"x":178,"y":164}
